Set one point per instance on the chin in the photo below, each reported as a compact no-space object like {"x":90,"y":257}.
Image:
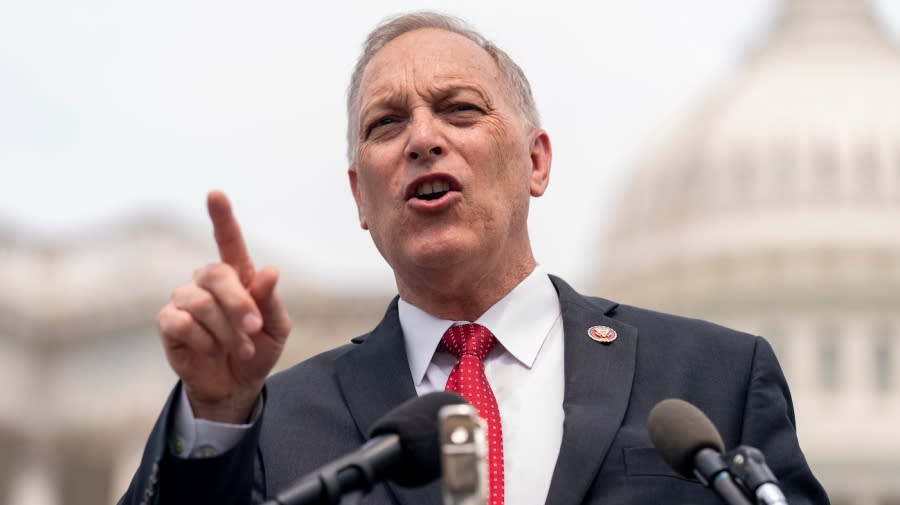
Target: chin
{"x":440,"y":254}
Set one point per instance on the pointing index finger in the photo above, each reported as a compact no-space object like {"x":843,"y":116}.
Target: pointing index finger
{"x":229,"y":238}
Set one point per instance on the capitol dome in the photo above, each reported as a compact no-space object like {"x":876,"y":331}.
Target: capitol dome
{"x":775,"y":208}
{"x":789,"y":172}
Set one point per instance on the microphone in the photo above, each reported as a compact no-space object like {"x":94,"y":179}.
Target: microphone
{"x":748,"y":465}
{"x":402,"y":447}
{"x":463,"y":456}
{"x":691,"y":444}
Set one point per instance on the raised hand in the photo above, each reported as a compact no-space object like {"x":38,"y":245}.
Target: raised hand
{"x":223,"y":331}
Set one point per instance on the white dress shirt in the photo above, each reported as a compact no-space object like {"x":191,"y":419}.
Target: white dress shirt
{"x":525,"y":371}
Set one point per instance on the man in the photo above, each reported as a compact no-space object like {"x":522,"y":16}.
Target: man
{"x":446,"y":152}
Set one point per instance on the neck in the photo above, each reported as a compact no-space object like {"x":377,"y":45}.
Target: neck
{"x":458,"y":295}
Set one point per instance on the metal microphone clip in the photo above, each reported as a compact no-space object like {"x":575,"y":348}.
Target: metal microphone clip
{"x":748,"y":466}
{"x":463,"y":456}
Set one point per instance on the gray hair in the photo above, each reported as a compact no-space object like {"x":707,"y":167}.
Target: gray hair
{"x":392,"y":28}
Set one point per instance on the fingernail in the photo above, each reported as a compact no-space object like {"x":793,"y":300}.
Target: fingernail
{"x":252,"y":323}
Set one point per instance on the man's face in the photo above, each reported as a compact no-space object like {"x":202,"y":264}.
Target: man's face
{"x":445,"y":166}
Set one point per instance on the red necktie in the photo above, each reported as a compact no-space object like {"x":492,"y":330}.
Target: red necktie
{"x":471,"y":343}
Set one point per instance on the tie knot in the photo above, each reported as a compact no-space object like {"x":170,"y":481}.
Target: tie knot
{"x":468,"y":338}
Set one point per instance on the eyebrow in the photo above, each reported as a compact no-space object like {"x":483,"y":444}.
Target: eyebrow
{"x":388,"y":100}
{"x":454,"y":91}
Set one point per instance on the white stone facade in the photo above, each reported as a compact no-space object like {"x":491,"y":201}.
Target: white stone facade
{"x":774,"y":209}
{"x":85,"y":373}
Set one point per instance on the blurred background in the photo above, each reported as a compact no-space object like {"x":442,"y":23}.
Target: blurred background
{"x":736,"y":161}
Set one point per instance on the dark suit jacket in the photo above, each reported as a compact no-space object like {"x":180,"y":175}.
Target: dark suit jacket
{"x":321,"y":409}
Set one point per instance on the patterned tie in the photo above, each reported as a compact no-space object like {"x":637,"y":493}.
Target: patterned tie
{"x":471,"y":343}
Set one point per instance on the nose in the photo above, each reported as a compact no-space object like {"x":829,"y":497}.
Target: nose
{"x":435,"y":151}
{"x":426,"y":140}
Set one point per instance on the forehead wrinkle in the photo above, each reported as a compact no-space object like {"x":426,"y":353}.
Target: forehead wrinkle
{"x":429,"y":74}
{"x":442,"y":87}
{"x":385,"y":99}
{"x":387,"y":89}
{"x":396,"y":95}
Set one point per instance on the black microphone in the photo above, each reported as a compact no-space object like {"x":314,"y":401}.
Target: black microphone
{"x":691,"y":444}
{"x":403,"y":447}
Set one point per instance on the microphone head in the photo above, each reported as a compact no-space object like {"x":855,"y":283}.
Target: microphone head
{"x":416,"y":423}
{"x":679,"y":431}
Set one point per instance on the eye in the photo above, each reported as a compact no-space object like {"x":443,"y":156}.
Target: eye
{"x":463,"y":107}
{"x":383,"y":122}
{"x":463,"y":113}
{"x":380,"y":122}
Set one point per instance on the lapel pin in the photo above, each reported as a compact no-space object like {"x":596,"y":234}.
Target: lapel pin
{"x":602,"y":334}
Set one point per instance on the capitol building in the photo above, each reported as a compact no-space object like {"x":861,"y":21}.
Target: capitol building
{"x":772,"y":207}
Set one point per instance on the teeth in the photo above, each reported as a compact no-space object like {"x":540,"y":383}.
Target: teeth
{"x":427,"y":188}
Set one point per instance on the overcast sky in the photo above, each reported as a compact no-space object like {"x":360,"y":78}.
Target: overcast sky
{"x":109,"y":110}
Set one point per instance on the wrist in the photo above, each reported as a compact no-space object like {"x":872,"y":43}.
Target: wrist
{"x":235,"y":408}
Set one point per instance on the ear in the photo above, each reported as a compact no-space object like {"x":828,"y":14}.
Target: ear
{"x":354,"y":187}
{"x":541,"y":155}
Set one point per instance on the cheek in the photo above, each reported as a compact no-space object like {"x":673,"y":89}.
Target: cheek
{"x":370,"y":193}
{"x":378,"y":189}
{"x":510,"y":160}
{"x":511,"y":176}
{"x":380,"y":157}
{"x":486,"y":149}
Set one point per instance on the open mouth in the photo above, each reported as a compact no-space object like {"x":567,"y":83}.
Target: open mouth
{"x":431,"y":188}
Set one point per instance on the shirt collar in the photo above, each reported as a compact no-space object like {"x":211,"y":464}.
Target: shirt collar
{"x":520,"y":321}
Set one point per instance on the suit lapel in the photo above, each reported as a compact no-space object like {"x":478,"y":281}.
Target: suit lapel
{"x":597,"y":387}
{"x":375,"y":378}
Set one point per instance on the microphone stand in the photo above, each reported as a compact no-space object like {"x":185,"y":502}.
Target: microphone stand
{"x":712,"y":471}
{"x":349,"y":477}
